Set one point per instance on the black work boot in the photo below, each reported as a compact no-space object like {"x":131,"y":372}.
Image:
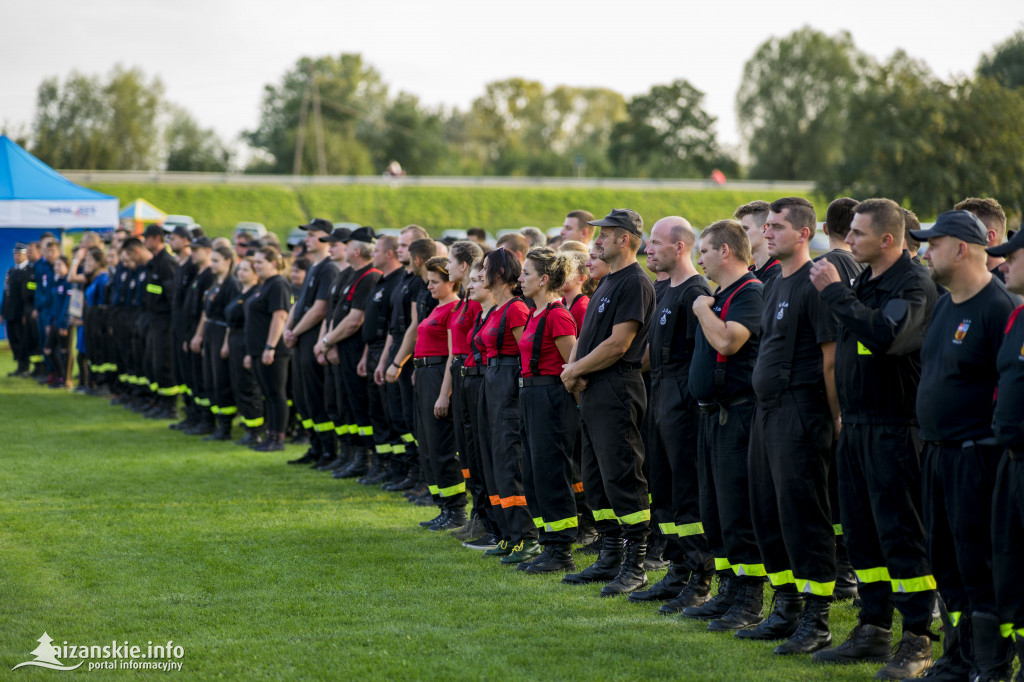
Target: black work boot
{"x":221,"y":432}
{"x":954,"y":665}
{"x":557,"y":556}
{"x":812,"y":631}
{"x":357,"y":466}
{"x":442,"y":514}
{"x":606,"y":568}
{"x":912,"y":657}
{"x":747,"y":608}
{"x":655,"y":560}
{"x":783,"y":620}
{"x":693,"y":595}
{"x":376,"y":465}
{"x":846,"y":582}
{"x":456,"y":518}
{"x":866,"y":643}
{"x":203,"y":426}
{"x":253,"y":436}
{"x":1019,"y":645}
{"x":714,"y":607}
{"x":586,"y":531}
{"x":379,"y":472}
{"x":993,"y":653}
{"x":632,"y":576}
{"x":668,"y":587}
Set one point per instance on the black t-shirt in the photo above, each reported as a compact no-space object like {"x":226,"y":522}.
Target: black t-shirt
{"x":402,"y":298}
{"x":998,"y":274}
{"x":958,"y":365}
{"x":193,"y":308}
{"x":675,"y":326}
{"x":217,"y":298}
{"x":790,"y":301}
{"x":159,"y":289}
{"x":660,"y":287}
{"x":1009,"y":413}
{"x":767,"y":272}
{"x":182,"y":282}
{"x":745,"y":308}
{"x":378,"y":308}
{"x":846,"y":265}
{"x":234,"y":312}
{"x":425,"y":302}
{"x":623,"y":296}
{"x":355,"y":293}
{"x":316,"y":287}
{"x":275,"y":294}
{"x":338,"y":290}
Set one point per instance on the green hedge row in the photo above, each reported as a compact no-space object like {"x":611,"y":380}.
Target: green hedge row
{"x":280,"y":208}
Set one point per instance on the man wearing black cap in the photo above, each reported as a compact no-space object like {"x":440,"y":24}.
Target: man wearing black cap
{"x":12,"y":310}
{"x":158,"y":301}
{"x":343,"y":343}
{"x":604,"y":368}
{"x":954,"y":408}
{"x":302,"y":331}
{"x":882,"y":321}
{"x":1008,"y":500}
{"x":791,"y":439}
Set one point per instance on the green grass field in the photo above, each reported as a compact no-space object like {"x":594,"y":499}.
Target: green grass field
{"x":115,"y":527}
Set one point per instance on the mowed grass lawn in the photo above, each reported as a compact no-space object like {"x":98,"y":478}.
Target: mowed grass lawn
{"x":115,"y":527}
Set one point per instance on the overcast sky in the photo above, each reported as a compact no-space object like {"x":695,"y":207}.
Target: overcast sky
{"x":215,"y":56}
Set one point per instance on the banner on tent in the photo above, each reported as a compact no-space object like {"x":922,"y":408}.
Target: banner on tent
{"x":56,"y":213}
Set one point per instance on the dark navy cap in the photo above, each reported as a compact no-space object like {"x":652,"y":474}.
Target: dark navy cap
{"x":962,"y":225}
{"x":202,"y":242}
{"x":182,"y":231}
{"x":338,"y":234}
{"x":154,"y":230}
{"x":318,"y":224}
{"x":1016,"y":241}
{"x":625,"y":218}
{"x":362,"y":234}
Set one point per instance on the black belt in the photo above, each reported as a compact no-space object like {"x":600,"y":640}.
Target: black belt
{"x":503,"y":360}
{"x":430,"y":360}
{"x":217,"y":322}
{"x":722,"y":407}
{"x":460,"y":357}
{"x":963,"y":444}
{"x":538,"y":381}
{"x":472,"y":371}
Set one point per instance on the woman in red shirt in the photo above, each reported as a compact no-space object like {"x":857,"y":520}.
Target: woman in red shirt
{"x":498,"y":413}
{"x":548,"y":416}
{"x":432,"y":386}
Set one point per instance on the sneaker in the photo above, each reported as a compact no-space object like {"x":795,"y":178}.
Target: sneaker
{"x":471,"y":530}
{"x":484,"y":542}
{"x":441,"y":515}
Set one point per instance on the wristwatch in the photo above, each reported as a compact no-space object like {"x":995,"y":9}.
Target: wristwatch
{"x":268,"y":347}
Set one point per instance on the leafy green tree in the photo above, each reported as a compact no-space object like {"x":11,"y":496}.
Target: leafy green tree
{"x":667,"y":134}
{"x":792,"y":103}
{"x":1006,"y":62}
{"x":192,"y":148}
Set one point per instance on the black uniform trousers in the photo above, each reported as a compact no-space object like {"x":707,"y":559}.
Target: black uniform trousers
{"x":472,"y":456}
{"x":722,"y":475}
{"x":441,"y":468}
{"x":159,"y":369}
{"x":879,"y":473}
{"x":958,"y":481}
{"x":181,"y":362}
{"x":137,"y":373}
{"x":334,"y":402}
{"x":1008,"y":542}
{"x":612,"y":409}
{"x":273,"y":383}
{"x":401,"y":434}
{"x":217,"y":373}
{"x":408,"y":436}
{"x":548,"y":424}
{"x":672,"y":462}
{"x":33,"y":347}
{"x":57,"y":349}
{"x":378,"y":404}
{"x":16,"y":336}
{"x":122,"y":324}
{"x":244,"y":388}
{"x":353,"y":395}
{"x":311,"y":383}
{"x":501,"y":449}
{"x":790,"y":449}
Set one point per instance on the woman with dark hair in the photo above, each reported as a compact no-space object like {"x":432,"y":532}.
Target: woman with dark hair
{"x":243,"y":382}
{"x":216,"y":369}
{"x":90,"y":343}
{"x":498,"y":412}
{"x":266,"y":312}
{"x":432,"y":386}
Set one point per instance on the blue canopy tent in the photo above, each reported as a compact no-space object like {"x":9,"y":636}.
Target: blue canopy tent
{"x":35,"y":199}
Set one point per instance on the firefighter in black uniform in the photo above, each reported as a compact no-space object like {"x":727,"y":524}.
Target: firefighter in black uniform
{"x":881,"y":325}
{"x":605,"y":369}
{"x":192,"y":313}
{"x":1008,"y":499}
{"x":157,"y":300}
{"x":721,"y":371}
{"x":12,"y":311}
{"x":180,"y":242}
{"x":791,"y":439}
{"x":673,"y":413}
{"x":954,"y":408}
{"x":753,"y":217}
{"x":136,"y":321}
{"x":301,"y":334}
{"x":216,"y":368}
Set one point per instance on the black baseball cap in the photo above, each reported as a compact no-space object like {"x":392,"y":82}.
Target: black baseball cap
{"x":154,"y":230}
{"x":203,"y":242}
{"x":962,"y":225}
{"x":318,"y":224}
{"x":1016,"y":241}
{"x":362,"y":234}
{"x":182,"y":231}
{"x":338,"y":234}
{"x":625,"y":218}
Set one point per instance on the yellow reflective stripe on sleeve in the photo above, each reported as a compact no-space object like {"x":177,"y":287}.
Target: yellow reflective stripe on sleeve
{"x":604,"y":515}
{"x":453,"y":489}
{"x":563,"y":524}
{"x":862,"y":349}
{"x":538,"y":522}
{"x":1006,"y":629}
{"x":837,"y":528}
{"x":384,"y":449}
{"x":252,"y":423}
{"x":636,"y":517}
{"x":755,"y":570}
{"x":667,"y":528}
{"x":688,"y":529}
{"x":155,"y":289}
{"x":922,"y":584}
{"x":434,"y":490}
{"x":323,"y":426}
{"x":813,"y":587}
{"x":781,"y":578}
{"x":722,"y":564}
{"x":873,"y":575}
{"x":954,"y":617}
{"x":31,"y":286}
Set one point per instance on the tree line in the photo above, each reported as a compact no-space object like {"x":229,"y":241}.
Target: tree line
{"x":810,"y":107}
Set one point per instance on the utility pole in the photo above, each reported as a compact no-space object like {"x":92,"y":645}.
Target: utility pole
{"x":300,"y":137}
{"x":318,"y":127}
